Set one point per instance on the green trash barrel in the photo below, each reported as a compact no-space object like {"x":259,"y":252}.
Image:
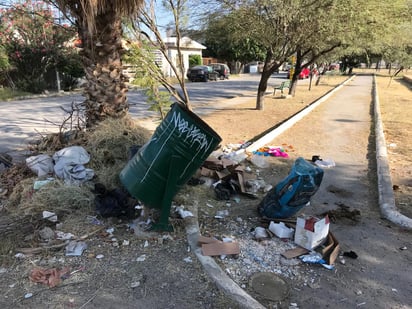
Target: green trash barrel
{"x":178,"y":147}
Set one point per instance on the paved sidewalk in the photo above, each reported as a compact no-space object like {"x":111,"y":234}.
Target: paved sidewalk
{"x":343,"y":116}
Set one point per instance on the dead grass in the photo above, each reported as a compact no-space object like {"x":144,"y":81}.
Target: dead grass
{"x":395,"y":96}
{"x":244,"y":122}
{"x":108,"y":145}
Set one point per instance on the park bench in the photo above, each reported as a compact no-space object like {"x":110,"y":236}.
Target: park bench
{"x":281,"y":87}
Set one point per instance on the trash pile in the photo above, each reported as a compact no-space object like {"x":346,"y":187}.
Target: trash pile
{"x":85,"y":181}
{"x":282,"y":238}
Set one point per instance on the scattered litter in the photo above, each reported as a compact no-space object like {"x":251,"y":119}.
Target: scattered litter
{"x":141,"y":258}
{"x":281,"y":230}
{"x":50,"y":277}
{"x":403,"y":248}
{"x":311,"y":231}
{"x":351,"y":254}
{"x":224,"y":189}
{"x":394,"y":290}
{"x":75,"y":248}
{"x":99,"y":256}
{"x":46,"y":234}
{"x":19,"y":255}
{"x":326,"y":163}
{"x":213,"y":247}
{"x":69,"y":165}
{"x":41,"y":183}
{"x":51,"y":216}
{"x":292,"y":193}
{"x":220,"y":248}
{"x":113,"y":203}
{"x":126,"y":242}
{"x":315,"y":258}
{"x":188,"y":259}
{"x":260,"y":233}
{"x":221,"y":214}
{"x":274,"y":151}
{"x":146,"y":244}
{"x":41,"y":165}
{"x":206,"y":240}
{"x":184,"y":213}
{"x":135,"y":284}
{"x":28,"y":295}
{"x":64,"y":236}
{"x":195,"y":181}
{"x":295,"y":252}
{"x":110,"y":230}
{"x":259,"y":161}
{"x":93,"y":220}
{"x":360,"y":304}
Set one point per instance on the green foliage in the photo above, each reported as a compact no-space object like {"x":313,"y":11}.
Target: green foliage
{"x":224,"y":41}
{"x":4,"y":60}
{"x":4,"y":65}
{"x":195,"y":60}
{"x":149,"y":76}
{"x":34,"y":44}
{"x":9,"y":94}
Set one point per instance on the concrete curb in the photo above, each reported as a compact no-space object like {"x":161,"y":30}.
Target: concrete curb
{"x":385,"y":186}
{"x":218,"y":276}
{"x":289,"y":123}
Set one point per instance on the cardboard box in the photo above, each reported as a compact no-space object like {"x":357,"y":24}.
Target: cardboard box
{"x":311,"y":232}
{"x":331,"y":248}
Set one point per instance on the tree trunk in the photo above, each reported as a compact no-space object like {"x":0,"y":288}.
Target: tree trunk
{"x":263,"y":85}
{"x":105,"y":89}
{"x":268,"y":69}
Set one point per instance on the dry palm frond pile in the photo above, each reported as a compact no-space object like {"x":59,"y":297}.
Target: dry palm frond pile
{"x":109,"y":146}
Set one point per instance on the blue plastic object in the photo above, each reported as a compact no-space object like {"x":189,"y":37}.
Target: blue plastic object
{"x":293,"y":192}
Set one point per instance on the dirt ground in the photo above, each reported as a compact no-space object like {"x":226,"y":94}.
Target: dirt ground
{"x":123,"y":268}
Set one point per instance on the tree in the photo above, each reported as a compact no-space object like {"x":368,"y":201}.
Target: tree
{"x":147,"y":21}
{"x":222,"y":42}
{"x":4,"y":64}
{"x":99,"y":24}
{"x":310,"y":30}
{"x":35,"y":45}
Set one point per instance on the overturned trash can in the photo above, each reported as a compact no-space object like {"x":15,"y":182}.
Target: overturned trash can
{"x":178,"y":147}
{"x":293,"y":192}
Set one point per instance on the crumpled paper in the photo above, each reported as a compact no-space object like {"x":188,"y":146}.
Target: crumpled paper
{"x":50,"y":277}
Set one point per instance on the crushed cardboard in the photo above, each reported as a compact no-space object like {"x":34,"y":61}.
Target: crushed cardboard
{"x":329,"y":250}
{"x":214,"y":247}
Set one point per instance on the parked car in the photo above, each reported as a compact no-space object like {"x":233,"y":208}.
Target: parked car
{"x":202,"y":73}
{"x":304,"y":73}
{"x":223,"y":69}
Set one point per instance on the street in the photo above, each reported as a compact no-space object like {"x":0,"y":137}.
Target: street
{"x":23,"y":120}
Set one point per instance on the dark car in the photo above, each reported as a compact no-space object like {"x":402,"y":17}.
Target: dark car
{"x":202,"y":73}
{"x":223,"y":69}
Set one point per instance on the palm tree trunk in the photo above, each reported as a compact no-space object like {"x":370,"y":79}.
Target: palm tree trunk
{"x":105,"y":89}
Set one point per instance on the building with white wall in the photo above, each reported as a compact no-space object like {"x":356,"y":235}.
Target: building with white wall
{"x":187,"y":46}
